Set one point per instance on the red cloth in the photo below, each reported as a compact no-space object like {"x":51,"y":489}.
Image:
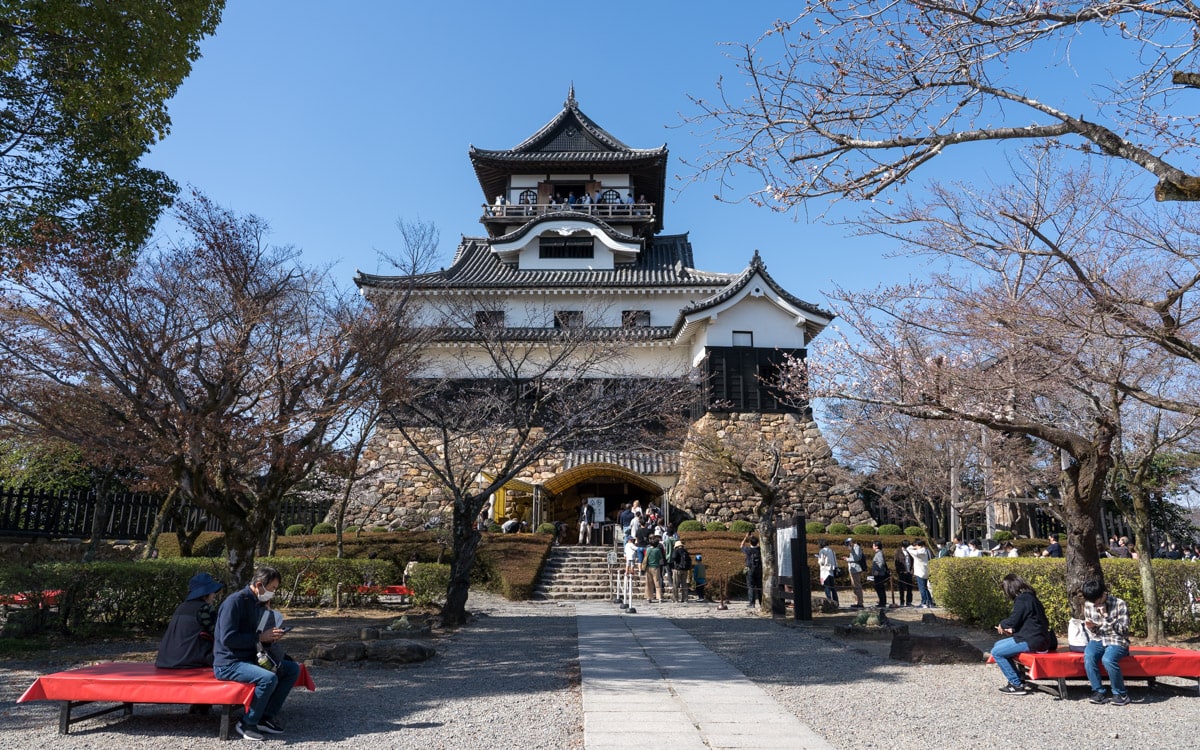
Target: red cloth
{"x":1143,"y":661}
{"x":138,"y":682}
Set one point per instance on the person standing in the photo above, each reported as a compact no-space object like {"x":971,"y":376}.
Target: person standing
{"x":240,"y":635}
{"x":700,"y":577}
{"x":1027,"y":629}
{"x":856,"y":564}
{"x":1107,"y":619}
{"x":880,"y":575}
{"x":904,"y":578}
{"x":587,"y":516}
{"x":188,"y":642}
{"x":681,"y":571}
{"x":653,"y":566}
{"x":753,"y":569}
{"x":919,"y":554}
{"x":827,"y":565}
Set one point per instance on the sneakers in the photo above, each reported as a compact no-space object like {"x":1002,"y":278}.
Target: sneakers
{"x":271,"y":726}
{"x":1099,"y":698}
{"x":1119,"y":700}
{"x":1011,"y":689}
{"x":249,"y":733}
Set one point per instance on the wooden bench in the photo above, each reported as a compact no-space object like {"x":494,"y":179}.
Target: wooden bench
{"x":127,"y":683}
{"x":1143,"y":663}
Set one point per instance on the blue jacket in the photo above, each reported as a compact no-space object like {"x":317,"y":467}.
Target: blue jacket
{"x":236,"y":637}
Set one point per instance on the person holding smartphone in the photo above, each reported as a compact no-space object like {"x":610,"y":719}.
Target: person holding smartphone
{"x":1106,"y":618}
{"x":1027,"y":629}
{"x":236,"y":645}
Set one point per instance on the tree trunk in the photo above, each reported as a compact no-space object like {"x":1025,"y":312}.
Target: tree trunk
{"x":241,"y":545}
{"x":1141,"y":534}
{"x":466,"y":544}
{"x":1083,"y":488}
{"x":99,"y":519}
{"x":771,"y":600}
{"x":160,"y":520}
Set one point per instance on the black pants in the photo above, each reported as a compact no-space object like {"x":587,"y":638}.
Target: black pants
{"x":881,"y":586}
{"x":904,"y":586}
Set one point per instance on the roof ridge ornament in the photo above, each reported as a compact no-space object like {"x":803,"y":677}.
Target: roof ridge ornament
{"x":570,"y":102}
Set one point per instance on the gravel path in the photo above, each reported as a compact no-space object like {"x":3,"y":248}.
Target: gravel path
{"x":482,"y":690}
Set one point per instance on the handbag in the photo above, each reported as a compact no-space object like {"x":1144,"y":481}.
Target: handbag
{"x":1077,"y":635}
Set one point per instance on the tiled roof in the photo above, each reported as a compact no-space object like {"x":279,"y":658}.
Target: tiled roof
{"x":739,"y":283}
{"x":665,"y":263}
{"x":642,"y":462}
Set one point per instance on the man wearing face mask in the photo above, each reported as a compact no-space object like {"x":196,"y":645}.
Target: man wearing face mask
{"x":241,"y":627}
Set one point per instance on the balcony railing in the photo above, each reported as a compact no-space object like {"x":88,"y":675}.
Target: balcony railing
{"x":519,"y":213}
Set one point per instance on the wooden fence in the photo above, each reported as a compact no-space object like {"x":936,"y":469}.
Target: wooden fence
{"x":29,"y":513}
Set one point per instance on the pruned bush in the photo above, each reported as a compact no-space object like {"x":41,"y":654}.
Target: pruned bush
{"x":837,"y":528}
{"x":864,"y":529}
{"x":814,"y":527}
{"x":969,"y":587}
{"x":545,"y":528}
{"x":494,"y":528}
{"x":890,"y":529}
{"x":379,"y":529}
{"x":324,"y":528}
{"x":1002,"y":536}
{"x":914,"y":531}
{"x":690,"y":525}
{"x":741,"y":527}
{"x":350,"y":530}
{"x":429,"y":583}
{"x":296,"y":529}
{"x":716,"y":526}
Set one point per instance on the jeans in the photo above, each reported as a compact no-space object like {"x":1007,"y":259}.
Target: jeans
{"x":923,"y":585}
{"x":270,"y":688}
{"x":1002,"y":651}
{"x":1096,"y":654}
{"x":830,"y":589}
{"x":754,"y":587}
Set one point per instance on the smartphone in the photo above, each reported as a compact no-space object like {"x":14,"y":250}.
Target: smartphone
{"x":288,"y":628}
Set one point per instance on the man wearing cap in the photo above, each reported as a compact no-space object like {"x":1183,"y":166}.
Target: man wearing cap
{"x":856,"y":563}
{"x":681,"y":571}
{"x":188,"y":641}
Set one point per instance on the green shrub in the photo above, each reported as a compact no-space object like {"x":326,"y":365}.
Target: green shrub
{"x":914,"y":531}
{"x":350,"y":530}
{"x":837,"y":528}
{"x":429,"y":583}
{"x":305,"y":582}
{"x":379,"y":529}
{"x":494,"y":528}
{"x":716,"y":526}
{"x":741,"y":527}
{"x":864,"y":529}
{"x":890,"y":529}
{"x":545,"y":528}
{"x":814,"y":527}
{"x":969,"y":587}
{"x":690,"y":525}
{"x":1002,"y":536}
{"x":324,"y":528}
{"x":296,"y":529}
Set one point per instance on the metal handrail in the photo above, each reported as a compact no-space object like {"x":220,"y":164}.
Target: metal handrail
{"x":524,"y":211}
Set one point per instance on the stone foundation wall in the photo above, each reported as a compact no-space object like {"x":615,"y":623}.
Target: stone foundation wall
{"x":813,"y":482}
{"x":403,"y":494}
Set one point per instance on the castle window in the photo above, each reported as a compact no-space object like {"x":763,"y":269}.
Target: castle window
{"x":528,"y":197}
{"x":568,"y":319}
{"x":743,"y":338}
{"x":565,"y":247}
{"x":635,"y":318}
{"x":489,"y":318}
{"x":611,"y":197}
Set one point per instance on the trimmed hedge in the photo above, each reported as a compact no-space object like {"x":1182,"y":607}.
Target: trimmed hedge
{"x":716,"y":526}
{"x":970,"y":589}
{"x":296,"y":529}
{"x":690,"y":525}
{"x":545,"y":528}
{"x":1003,"y":536}
{"x":428,"y":583}
{"x":814,"y":527}
{"x":890,"y":529}
{"x":865,"y":529}
{"x":741,"y":527}
{"x":837,"y":529}
{"x":324,"y":528}
{"x":914,"y":531}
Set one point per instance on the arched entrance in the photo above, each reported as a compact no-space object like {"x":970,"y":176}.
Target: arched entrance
{"x":617,"y":485}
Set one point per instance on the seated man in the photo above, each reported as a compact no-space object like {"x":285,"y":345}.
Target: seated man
{"x":241,"y":634}
{"x":1107,"y":619}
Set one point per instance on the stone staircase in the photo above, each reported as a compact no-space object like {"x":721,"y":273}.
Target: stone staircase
{"x":575,"y":573}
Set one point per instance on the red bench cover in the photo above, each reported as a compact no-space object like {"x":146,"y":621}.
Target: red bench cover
{"x":138,"y":682}
{"x":1143,"y":661}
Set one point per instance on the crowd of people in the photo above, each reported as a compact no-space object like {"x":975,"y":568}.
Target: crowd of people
{"x":654,"y":550}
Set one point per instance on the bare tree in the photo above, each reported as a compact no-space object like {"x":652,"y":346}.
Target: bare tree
{"x":221,"y":366}
{"x":500,"y":399}
{"x":849,"y":99}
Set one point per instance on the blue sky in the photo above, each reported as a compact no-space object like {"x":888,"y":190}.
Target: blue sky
{"x":332,"y":120}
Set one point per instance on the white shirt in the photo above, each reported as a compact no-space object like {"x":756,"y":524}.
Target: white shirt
{"x":630,"y":550}
{"x":828,"y":561}
{"x":920,"y":560}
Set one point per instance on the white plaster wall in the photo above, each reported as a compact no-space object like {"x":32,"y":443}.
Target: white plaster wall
{"x":644,"y":360}
{"x":773,"y":327}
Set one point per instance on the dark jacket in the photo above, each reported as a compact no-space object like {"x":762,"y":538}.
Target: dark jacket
{"x":680,"y":559}
{"x":188,"y":641}
{"x":1029,"y":624}
{"x":236,"y":638}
